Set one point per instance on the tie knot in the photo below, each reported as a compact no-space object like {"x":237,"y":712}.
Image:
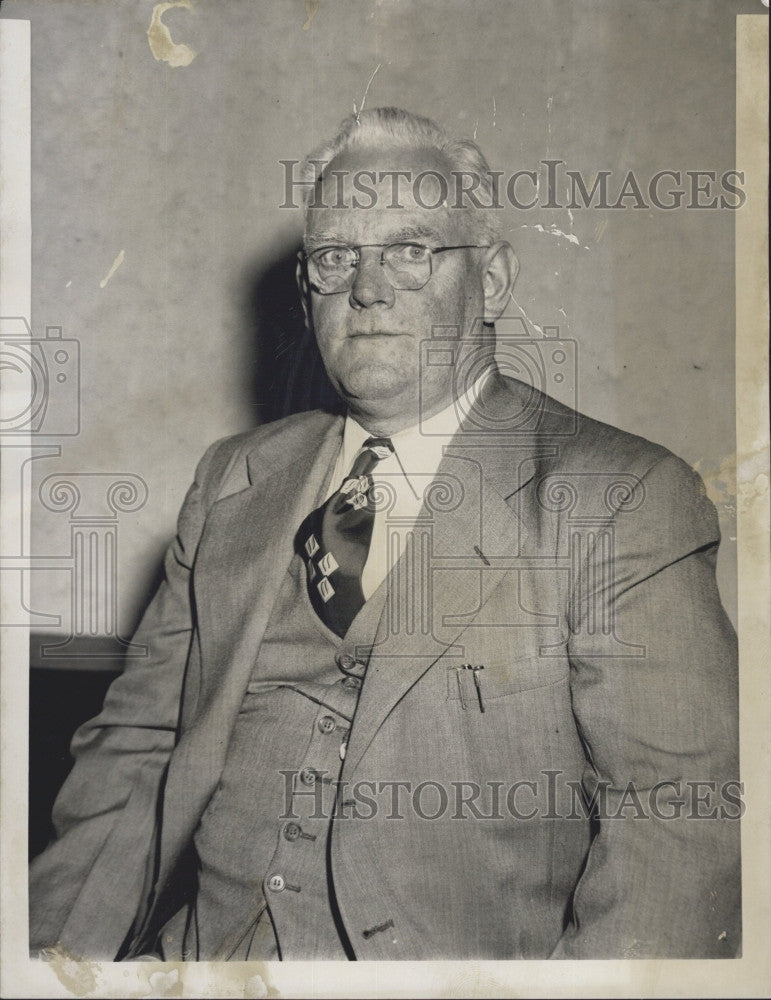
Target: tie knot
{"x":381,"y":447}
{"x":370,"y":453}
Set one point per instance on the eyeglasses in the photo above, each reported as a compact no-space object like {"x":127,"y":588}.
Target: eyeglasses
{"x":332,"y":269}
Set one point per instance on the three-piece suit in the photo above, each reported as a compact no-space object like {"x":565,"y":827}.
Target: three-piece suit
{"x":547,"y":670}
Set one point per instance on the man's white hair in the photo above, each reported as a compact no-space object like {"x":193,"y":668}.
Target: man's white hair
{"x":394,"y":128}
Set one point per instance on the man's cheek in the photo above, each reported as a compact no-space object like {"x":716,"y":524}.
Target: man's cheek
{"x":329,"y":331}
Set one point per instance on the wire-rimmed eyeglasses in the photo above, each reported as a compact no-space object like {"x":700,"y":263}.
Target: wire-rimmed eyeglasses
{"x":333,"y":268}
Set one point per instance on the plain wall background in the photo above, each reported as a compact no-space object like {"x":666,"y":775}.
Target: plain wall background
{"x":178,"y":168}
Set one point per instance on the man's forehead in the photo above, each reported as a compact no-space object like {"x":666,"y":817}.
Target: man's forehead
{"x":384,"y":195}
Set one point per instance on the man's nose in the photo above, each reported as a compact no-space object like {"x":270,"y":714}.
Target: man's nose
{"x":370,"y":285}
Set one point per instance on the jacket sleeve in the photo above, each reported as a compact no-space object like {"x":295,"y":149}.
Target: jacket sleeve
{"x":654,"y":687}
{"x":86,"y":887}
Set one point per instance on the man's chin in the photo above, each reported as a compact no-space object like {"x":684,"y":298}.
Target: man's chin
{"x":377,"y":382}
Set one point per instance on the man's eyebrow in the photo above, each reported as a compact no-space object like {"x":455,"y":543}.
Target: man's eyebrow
{"x":324,"y":239}
{"x":415,"y":233}
{"x":406,"y":233}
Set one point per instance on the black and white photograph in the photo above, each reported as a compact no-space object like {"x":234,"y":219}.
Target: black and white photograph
{"x":385,"y":470}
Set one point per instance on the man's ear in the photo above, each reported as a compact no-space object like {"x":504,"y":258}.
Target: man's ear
{"x":304,"y":289}
{"x":501,"y":267}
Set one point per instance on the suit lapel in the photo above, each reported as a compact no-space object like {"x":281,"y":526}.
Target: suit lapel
{"x":247,"y":548}
{"x":471,"y":535}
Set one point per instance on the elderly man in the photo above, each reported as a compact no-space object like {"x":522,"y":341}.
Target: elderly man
{"x":446,"y":678}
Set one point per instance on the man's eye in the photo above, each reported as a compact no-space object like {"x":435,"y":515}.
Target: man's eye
{"x":411,"y":253}
{"x":335,"y":257}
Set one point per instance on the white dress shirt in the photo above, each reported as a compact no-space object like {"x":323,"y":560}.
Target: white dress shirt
{"x":407,"y":472}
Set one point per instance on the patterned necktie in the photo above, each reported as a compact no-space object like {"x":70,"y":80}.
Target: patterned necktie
{"x":334,"y":541}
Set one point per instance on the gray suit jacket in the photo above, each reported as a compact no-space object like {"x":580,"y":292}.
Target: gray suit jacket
{"x":572,"y":560}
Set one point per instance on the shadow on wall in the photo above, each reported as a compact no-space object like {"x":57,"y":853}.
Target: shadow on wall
{"x":288,"y":373}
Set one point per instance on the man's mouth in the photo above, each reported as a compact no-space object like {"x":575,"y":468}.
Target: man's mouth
{"x":375,"y":333}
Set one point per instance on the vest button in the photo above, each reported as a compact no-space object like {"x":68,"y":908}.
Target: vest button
{"x":307,"y":776}
{"x":352,"y":682}
{"x":327,"y":724}
{"x":292,"y":831}
{"x":276,"y":883}
{"x":345,"y":661}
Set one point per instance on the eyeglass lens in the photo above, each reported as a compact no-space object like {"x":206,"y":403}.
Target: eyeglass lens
{"x":333,"y":269}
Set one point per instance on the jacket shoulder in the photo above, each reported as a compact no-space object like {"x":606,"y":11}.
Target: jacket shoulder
{"x":223,"y":468}
{"x":582,"y":442}
{"x":602,"y":457}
